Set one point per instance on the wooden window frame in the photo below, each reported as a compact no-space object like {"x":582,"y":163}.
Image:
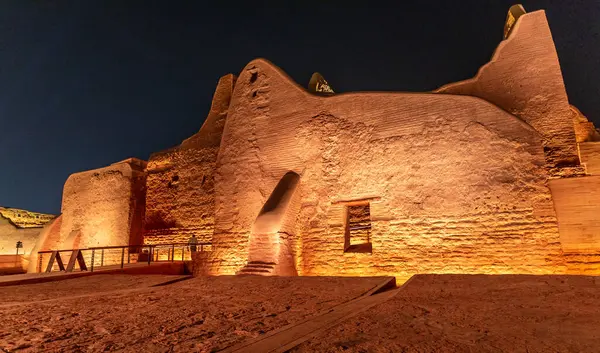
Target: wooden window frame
{"x":362,"y":247}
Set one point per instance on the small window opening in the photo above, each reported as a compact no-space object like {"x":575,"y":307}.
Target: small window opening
{"x":358,"y":228}
{"x":174,"y":181}
{"x":253,"y":77}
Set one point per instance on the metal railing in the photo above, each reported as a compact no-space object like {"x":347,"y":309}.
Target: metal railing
{"x":116,"y":256}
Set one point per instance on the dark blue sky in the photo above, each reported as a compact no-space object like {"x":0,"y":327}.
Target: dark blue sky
{"x":87,"y":83}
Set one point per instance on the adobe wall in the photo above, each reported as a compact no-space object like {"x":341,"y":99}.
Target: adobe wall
{"x":180,"y":184}
{"x":48,"y":239}
{"x":101,"y":207}
{"x":456,"y":184}
{"x":578,"y":212}
{"x":577,"y":203}
{"x":585,"y":131}
{"x":589,"y":152}
{"x":524,"y":78}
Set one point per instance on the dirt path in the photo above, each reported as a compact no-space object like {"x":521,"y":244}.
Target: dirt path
{"x":201,"y":314}
{"x":477,"y":313}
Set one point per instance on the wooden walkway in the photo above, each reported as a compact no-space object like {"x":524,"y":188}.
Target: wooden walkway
{"x":288,"y":337}
{"x":175,"y":268}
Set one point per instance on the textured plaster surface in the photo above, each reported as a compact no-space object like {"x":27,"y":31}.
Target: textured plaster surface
{"x":457,"y":184}
{"x":102,"y":207}
{"x":461,"y":313}
{"x":457,"y":180}
{"x":578,"y":212}
{"x":180,"y":195}
{"x":48,"y":239}
{"x":270,"y":240}
{"x":524,"y":78}
{"x":585,"y":131}
{"x":122,"y":313}
{"x":590,"y":157}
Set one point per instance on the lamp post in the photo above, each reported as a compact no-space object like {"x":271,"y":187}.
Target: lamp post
{"x":19,"y":246}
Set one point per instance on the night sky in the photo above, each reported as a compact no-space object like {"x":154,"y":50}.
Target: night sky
{"x":84,"y":84}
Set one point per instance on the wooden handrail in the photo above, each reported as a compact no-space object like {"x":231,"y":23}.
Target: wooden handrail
{"x":153,"y":249}
{"x":126,"y":246}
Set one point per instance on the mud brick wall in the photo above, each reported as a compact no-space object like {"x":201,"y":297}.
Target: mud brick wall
{"x":456,"y":184}
{"x":102,"y":207}
{"x":524,"y":78}
{"x":180,"y":184}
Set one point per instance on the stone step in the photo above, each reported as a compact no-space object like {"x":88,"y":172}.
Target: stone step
{"x":259,"y":268}
{"x":253,"y":272}
{"x":249,"y":262}
{"x":260,"y":265}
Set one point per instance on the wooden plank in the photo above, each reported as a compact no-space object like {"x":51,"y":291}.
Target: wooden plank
{"x":72,"y":260}
{"x":51,"y":261}
{"x":55,"y":257}
{"x":76,"y":256}
{"x":81,"y":261}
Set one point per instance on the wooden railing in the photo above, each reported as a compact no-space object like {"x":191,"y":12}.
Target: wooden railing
{"x":112,"y":256}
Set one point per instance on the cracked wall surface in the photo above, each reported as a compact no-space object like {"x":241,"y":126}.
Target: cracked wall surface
{"x":457,"y":184}
{"x":101,"y":207}
{"x":524,"y":78}
{"x":495,"y":174}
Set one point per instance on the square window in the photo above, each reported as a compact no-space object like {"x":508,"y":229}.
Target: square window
{"x":358,"y":228}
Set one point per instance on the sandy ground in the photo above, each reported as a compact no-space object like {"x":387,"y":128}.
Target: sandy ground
{"x":123,"y":313}
{"x":477,"y":313}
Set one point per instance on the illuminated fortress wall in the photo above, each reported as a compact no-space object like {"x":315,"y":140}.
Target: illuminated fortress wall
{"x":495,"y":174}
{"x":524,"y":78}
{"x":180,"y":184}
{"x":577,"y":203}
{"x":101,"y":207}
{"x":454,"y":183}
{"x":451,"y":183}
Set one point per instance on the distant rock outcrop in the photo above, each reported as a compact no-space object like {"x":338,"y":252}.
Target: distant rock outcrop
{"x":17,"y":225}
{"x":25,"y":219}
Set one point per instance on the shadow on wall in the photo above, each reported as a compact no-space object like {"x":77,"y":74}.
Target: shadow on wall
{"x":157,"y":221}
{"x":272,"y":235}
{"x":49,"y":235}
{"x":271,"y":215}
